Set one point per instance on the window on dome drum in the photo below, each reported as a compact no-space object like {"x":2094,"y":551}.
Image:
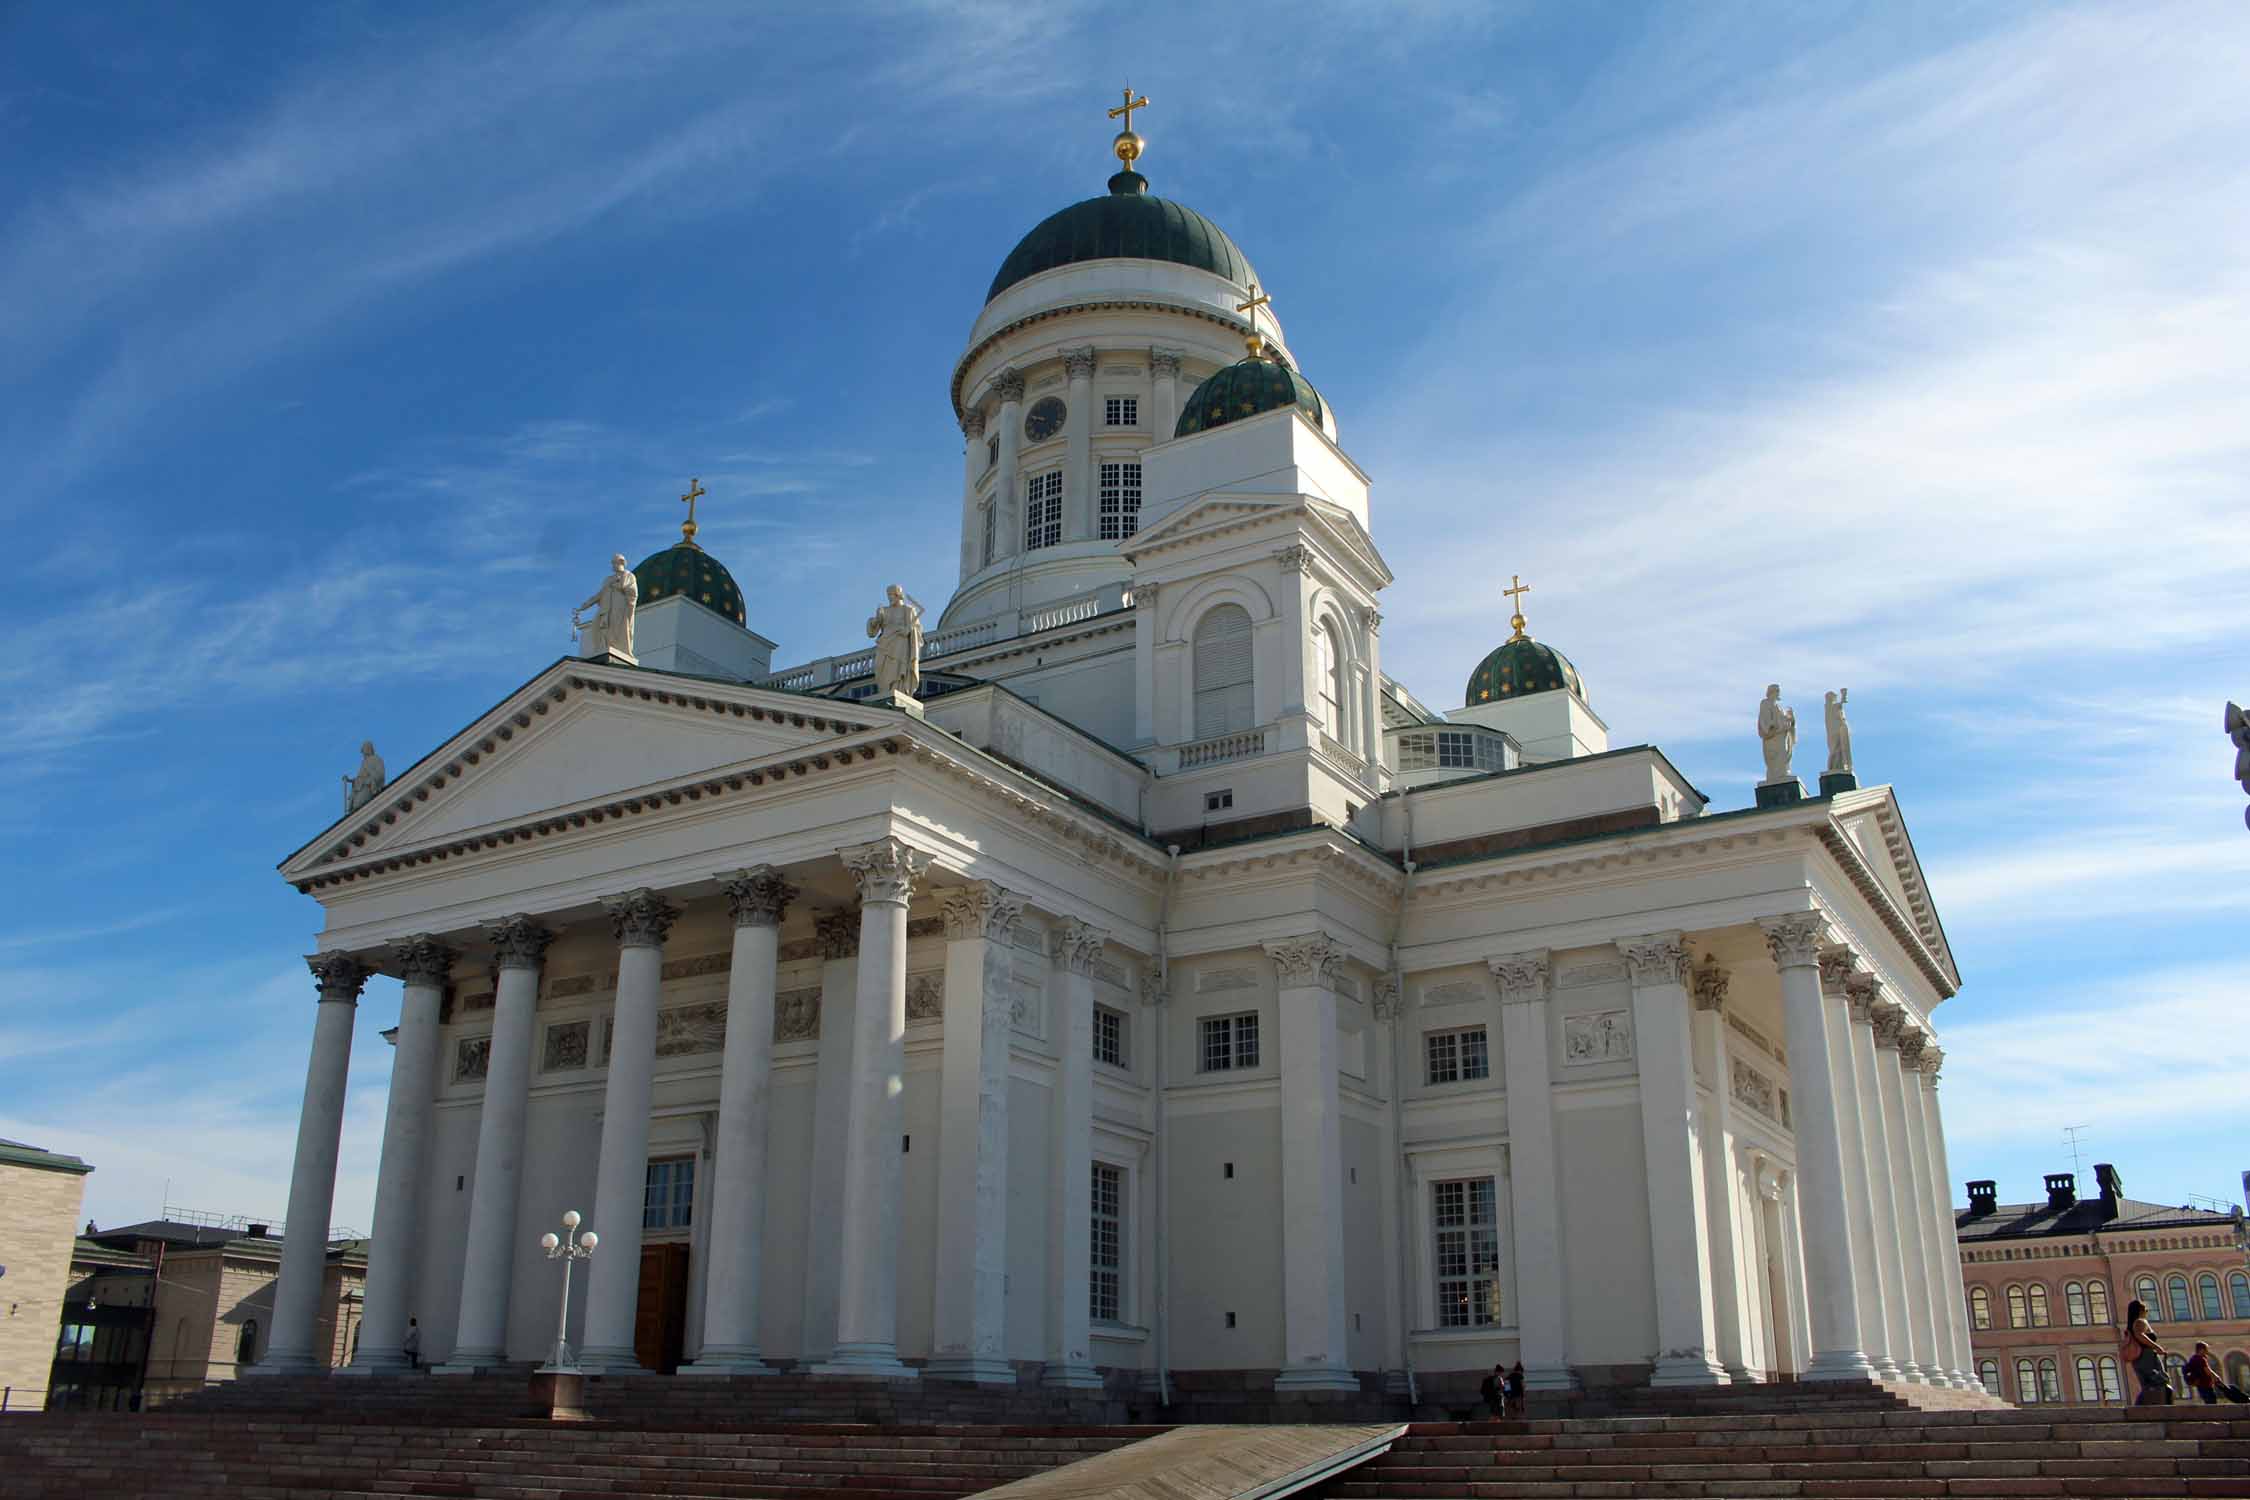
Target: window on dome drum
{"x":2019,"y":1314}
{"x":2238,"y":1291}
{"x":1042,"y":511}
{"x":1224,"y":692}
{"x":2039,"y":1318}
{"x":1980,"y":1307}
{"x":1109,"y":1036}
{"x":1106,"y":1281}
{"x":1120,"y":500}
{"x":1121,"y":411}
{"x":1230,"y":1043}
{"x":1988,"y":1371}
{"x":1464,"y":1217}
{"x":991,"y":531}
{"x":2179,"y":1309}
{"x":2207,"y":1293}
{"x":668,"y":1201}
{"x":1456,"y":1056}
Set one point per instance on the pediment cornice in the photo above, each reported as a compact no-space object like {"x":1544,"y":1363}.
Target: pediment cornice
{"x":1221,"y":513}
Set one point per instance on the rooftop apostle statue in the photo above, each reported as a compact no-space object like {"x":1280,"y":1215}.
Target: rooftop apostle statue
{"x":897,"y":630}
{"x":611,"y":629}
{"x":363,"y":787}
{"x":1777,"y":734}
{"x":1839,"y":734}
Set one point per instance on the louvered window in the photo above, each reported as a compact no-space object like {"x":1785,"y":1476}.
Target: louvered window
{"x":1223,"y":687}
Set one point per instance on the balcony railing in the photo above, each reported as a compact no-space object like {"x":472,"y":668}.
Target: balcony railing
{"x":1224,"y":747}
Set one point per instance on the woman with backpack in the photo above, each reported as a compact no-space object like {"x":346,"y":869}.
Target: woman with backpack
{"x":2146,"y":1357}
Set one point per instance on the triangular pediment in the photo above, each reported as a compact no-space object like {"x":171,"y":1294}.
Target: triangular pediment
{"x":577,"y":733}
{"x":1870,"y":817}
{"x":1220,"y":512}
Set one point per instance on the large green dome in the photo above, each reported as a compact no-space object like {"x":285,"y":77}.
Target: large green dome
{"x":1248,"y":388}
{"x":1521,"y":666}
{"x":692,"y":573}
{"x":1125,"y":224}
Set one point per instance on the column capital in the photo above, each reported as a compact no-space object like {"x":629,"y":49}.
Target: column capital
{"x":836,"y":933}
{"x":1372,"y":618}
{"x":1837,"y":966}
{"x":758,"y":896}
{"x":1794,"y":940}
{"x":640,"y":918}
{"x":1889,"y":1020}
{"x":1522,"y":977}
{"x":1305,"y":961}
{"x":1008,"y":386}
{"x":1145,"y":594}
{"x":1911,"y":1041}
{"x":1078,"y":364}
{"x":1076,"y":945}
{"x":1659,"y":958}
{"x":1163,"y":362}
{"x":422,"y":959}
{"x":338,"y":976}
{"x":980,"y":909}
{"x":886,"y":870}
{"x":517,"y":941}
{"x":1931,"y":1060}
{"x":972,"y":422}
{"x":1861,"y":992}
{"x":1294,"y":558}
{"x":1153,"y":991}
{"x":1708,"y":985}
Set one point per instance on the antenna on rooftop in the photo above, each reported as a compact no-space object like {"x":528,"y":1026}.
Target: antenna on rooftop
{"x":2077,"y":1147}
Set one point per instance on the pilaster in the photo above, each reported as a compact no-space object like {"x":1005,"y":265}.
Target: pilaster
{"x":1707,"y":988}
{"x":1164,"y":374}
{"x":1316,"y":1349}
{"x":1074,"y":948}
{"x":1534,"y":1202}
{"x":1874,"y":1266}
{"x":1007,"y":485}
{"x":1078,"y":447}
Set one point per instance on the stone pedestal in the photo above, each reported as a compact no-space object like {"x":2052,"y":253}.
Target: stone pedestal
{"x":559,"y":1396}
{"x":905,"y":703}
{"x":1832,"y":782}
{"x":1780,"y":793}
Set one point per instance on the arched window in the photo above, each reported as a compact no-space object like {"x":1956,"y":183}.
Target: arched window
{"x":1980,"y":1310}
{"x":2238,"y":1289}
{"x":2144,"y":1292}
{"x":2113,"y":1388}
{"x":2097,"y":1302}
{"x":2176,"y":1365}
{"x":2207,"y":1293}
{"x":246,"y":1343}
{"x":2074,"y":1304}
{"x":2050,"y":1381}
{"x":1223,"y":686}
{"x":2027,"y":1383}
{"x":2039,"y":1316}
{"x":2019,"y":1311}
{"x":2178,"y":1308}
{"x":1988,"y":1371}
{"x":1331,"y":683}
{"x":2089,"y":1379}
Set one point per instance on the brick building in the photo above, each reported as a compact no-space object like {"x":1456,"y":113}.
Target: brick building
{"x":2048,"y":1282}
{"x":40,"y":1194}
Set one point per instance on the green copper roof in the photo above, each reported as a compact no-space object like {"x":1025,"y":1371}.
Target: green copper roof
{"x":1519,"y":667}
{"x":1245,"y":389}
{"x":692,"y":573}
{"x":1125,"y":224}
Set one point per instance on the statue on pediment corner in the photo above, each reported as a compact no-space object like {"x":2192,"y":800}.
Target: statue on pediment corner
{"x":368,"y":782}
{"x":614,"y":603}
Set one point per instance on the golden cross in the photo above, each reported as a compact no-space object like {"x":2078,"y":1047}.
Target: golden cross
{"x":1516,"y":603}
{"x":1126,"y":109}
{"x":695,"y":492}
{"x":1249,"y":309}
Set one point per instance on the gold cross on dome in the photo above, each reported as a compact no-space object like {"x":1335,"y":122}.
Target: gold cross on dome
{"x":1126,"y":109}
{"x":1249,"y":309}
{"x":1513,"y":595}
{"x":695,"y":492}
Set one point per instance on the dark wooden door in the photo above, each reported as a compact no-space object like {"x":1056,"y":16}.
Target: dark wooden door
{"x":660,"y":1322}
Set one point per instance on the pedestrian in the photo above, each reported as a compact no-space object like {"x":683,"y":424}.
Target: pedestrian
{"x":413,"y":1344}
{"x":2202,"y":1374}
{"x":1494,"y":1389}
{"x":1513,"y":1387}
{"x":2146,"y":1357}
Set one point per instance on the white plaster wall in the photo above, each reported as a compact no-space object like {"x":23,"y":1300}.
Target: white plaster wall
{"x":1610,"y":1281}
{"x":1030,"y":1111}
{"x":1276,"y":453}
{"x":1367,"y":1296}
{"x":1549,"y":726}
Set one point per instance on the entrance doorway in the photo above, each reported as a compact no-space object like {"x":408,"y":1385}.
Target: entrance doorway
{"x":660,"y":1321}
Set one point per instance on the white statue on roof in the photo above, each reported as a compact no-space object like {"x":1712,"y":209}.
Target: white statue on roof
{"x":1777,"y":734}
{"x":364,"y":786}
{"x":611,"y":629}
{"x":1839,"y":733}
{"x":897,"y":629}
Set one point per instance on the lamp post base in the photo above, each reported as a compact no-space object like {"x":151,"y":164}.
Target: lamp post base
{"x":559,"y":1396}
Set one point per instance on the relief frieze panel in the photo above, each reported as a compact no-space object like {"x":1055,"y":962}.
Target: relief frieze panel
{"x":1599,"y":1037}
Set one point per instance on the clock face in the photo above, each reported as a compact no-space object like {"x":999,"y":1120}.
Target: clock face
{"x":1044,"y":420}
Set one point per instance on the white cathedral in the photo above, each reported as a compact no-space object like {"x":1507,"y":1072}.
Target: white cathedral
{"x":1155,"y":989}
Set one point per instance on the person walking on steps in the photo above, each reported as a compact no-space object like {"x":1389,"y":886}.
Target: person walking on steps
{"x":1511,"y":1389}
{"x":2146,"y":1357}
{"x":1494,"y":1389}
{"x":413,"y":1344}
{"x":2202,"y":1374}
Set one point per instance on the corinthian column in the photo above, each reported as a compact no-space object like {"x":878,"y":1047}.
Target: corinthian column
{"x":312,"y":1182}
{"x":1076,"y":948}
{"x":1922,"y":1294}
{"x":737,"y":1197}
{"x":1875,"y":1267}
{"x":1007,"y":485}
{"x":424,"y":963}
{"x":642,"y":920}
{"x":480,"y":1336}
{"x":1534,"y":1205}
{"x":1819,"y":1062}
{"x":1315,"y":1330}
{"x":1078,"y":430}
{"x":1721,"y":1206}
{"x":971,"y":1315}
{"x":867,"y":1289}
{"x":1927,"y":1065}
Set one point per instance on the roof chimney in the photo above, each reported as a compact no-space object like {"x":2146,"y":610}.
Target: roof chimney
{"x":257,"y":1231}
{"x":1984,"y":1196}
{"x":2112,"y":1186}
{"x":2062,"y":1191}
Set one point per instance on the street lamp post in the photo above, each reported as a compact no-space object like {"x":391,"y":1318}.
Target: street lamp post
{"x":569,"y":1252}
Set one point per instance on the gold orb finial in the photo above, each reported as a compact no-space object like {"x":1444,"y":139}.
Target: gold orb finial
{"x":688,"y":528}
{"x":1129,"y":144}
{"x":1515,"y":595}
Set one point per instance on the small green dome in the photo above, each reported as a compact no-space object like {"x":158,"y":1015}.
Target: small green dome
{"x":1125,"y":224}
{"x":692,"y":573}
{"x":1247,"y":389}
{"x":1519,"y":667}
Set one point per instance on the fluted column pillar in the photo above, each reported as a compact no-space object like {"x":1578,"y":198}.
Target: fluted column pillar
{"x":1164,"y":377}
{"x":1729,"y":1302}
{"x":1534,"y":1204}
{"x":1819,"y":1061}
{"x":1874,"y":1266}
{"x":642,"y":920}
{"x":480,"y":1333}
{"x":1883,"y":1170}
{"x":867,"y":1284}
{"x":1007,"y":485}
{"x":972,"y":469}
{"x":1315,"y":1350}
{"x":736,"y":1201}
{"x":1928,"y":1062}
{"x":1078,"y":447}
{"x":1679,"y":1232}
{"x":1925,"y":1292}
{"x":836,"y":935}
{"x":1075,"y":948}
{"x":969,"y":1328}
{"x":312,"y":1181}
{"x":396,"y":1249}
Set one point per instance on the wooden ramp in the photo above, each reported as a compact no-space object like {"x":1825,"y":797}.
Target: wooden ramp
{"x":1209,"y":1463}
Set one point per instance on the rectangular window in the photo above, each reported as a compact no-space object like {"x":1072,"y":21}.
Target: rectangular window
{"x":1456,"y":1056}
{"x":1464,"y":1219}
{"x":1109,"y":1036}
{"x":1120,"y":500}
{"x":1121,"y":411}
{"x":1218,"y":801}
{"x":1106,"y":1284}
{"x":1042,"y":511}
{"x":1230,"y":1043}
{"x":669,"y":1201}
{"x":991,"y":532}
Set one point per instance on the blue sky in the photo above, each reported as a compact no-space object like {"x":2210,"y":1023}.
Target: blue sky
{"x":1901,"y":347}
